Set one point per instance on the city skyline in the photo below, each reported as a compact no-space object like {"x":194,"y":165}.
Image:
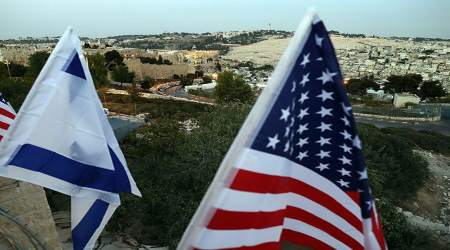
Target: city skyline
{"x":102,"y":18}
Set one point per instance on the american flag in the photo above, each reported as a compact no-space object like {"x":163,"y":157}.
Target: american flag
{"x":301,"y":178}
{"x":7,"y":116}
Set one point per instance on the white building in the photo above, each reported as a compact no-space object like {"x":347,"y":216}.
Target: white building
{"x":401,"y":99}
{"x":206,"y":86}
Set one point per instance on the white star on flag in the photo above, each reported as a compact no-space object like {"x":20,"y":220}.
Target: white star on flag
{"x":322,"y":141}
{"x":323,"y":154}
{"x":303,"y":113}
{"x":343,"y":183}
{"x":344,"y":172}
{"x":326,"y":76}
{"x":305,"y":79}
{"x":302,"y":155}
{"x":319,"y":40}
{"x":303,"y":97}
{"x":346,"y":148}
{"x":345,"y":160}
{"x":302,"y":141}
{"x":285,"y":114}
{"x":325,"y":95}
{"x":322,"y":166}
{"x":305,"y":60}
{"x":346,"y":135}
{"x":324,"y":112}
{"x":273,"y":141}
{"x":324,"y":126}
{"x":302,"y":128}
{"x":345,"y":120}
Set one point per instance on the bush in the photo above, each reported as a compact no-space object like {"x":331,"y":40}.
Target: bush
{"x":232,"y":88}
{"x":396,"y":171}
{"x":400,"y":235}
{"x":157,"y":108}
{"x":37,"y":62}
{"x":15,"y":91}
{"x":426,"y":140}
{"x":173,"y":169}
{"x":121,"y":74}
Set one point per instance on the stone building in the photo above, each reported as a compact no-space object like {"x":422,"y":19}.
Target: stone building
{"x":157,"y":71}
{"x":400,"y":100}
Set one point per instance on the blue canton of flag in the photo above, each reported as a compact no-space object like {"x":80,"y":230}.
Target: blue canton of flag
{"x":311,"y":122}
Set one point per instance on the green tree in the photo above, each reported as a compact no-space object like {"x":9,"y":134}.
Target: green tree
{"x":13,"y":69}
{"x":4,"y":73}
{"x":182,"y":167}
{"x":134,"y":93}
{"x":121,"y":74}
{"x":232,"y":88}
{"x":36,"y":62}
{"x":17,"y":70}
{"x":113,"y":59}
{"x":98,"y":70}
{"x":431,"y":90}
{"x":207,"y":79}
{"x":403,"y":83}
{"x":160,"y":60}
{"x":147,"y":83}
{"x":15,"y":90}
{"x":186,"y":81}
{"x":360,"y":86}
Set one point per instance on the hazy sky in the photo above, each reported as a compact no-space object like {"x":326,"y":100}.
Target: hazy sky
{"x":99,"y":18}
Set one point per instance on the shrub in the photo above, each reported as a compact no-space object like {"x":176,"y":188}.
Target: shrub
{"x":173,"y":169}
{"x":398,"y":172}
{"x":15,"y":91}
{"x":232,"y":88}
{"x":426,"y":140}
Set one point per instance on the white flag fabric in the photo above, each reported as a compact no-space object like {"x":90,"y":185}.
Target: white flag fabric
{"x":61,"y":139}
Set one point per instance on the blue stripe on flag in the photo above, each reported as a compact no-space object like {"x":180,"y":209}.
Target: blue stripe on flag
{"x":74,"y":66}
{"x":82,"y":233}
{"x":41,"y":160}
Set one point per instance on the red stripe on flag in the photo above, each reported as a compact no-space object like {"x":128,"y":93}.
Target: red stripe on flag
{"x":303,"y":240}
{"x":4,"y":125}
{"x":356,"y":196}
{"x":311,"y":219}
{"x":261,"y":183}
{"x":377,"y":229}
{"x":225,"y":220}
{"x":264,"y":246}
{"x":6,"y":113}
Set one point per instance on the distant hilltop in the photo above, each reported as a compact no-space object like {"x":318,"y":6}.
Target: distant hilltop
{"x":224,"y":36}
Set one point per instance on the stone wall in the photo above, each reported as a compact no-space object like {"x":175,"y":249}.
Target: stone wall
{"x":400,"y":118}
{"x":157,"y":71}
{"x":26,"y":220}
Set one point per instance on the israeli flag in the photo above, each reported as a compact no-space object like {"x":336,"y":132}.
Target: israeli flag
{"x":61,"y":139}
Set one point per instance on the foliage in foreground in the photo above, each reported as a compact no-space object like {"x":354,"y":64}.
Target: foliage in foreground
{"x":173,"y":170}
{"x":426,"y":140}
{"x":15,"y":90}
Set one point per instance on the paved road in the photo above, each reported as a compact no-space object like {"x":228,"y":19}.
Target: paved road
{"x":442,"y":127}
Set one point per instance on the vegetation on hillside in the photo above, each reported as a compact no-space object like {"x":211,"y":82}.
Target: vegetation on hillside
{"x":232,"y":88}
{"x":173,"y":169}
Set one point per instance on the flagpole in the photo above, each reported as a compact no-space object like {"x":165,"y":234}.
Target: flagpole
{"x":247,"y":133}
